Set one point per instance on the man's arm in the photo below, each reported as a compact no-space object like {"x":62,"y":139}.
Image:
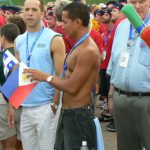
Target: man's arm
{"x":58,"y":52}
{"x":10,"y":110}
{"x":85,"y":64}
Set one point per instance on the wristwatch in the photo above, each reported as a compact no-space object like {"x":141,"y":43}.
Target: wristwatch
{"x":49,"y":79}
{"x":54,"y":105}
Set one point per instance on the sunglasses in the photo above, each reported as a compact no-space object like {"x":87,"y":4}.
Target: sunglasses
{"x":102,"y":13}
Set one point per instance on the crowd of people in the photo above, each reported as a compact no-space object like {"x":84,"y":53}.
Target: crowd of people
{"x":70,"y":48}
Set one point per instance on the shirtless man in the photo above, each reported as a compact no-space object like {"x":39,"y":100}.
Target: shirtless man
{"x":76,"y":119}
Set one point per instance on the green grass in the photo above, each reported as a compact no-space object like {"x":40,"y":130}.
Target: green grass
{"x":20,"y":2}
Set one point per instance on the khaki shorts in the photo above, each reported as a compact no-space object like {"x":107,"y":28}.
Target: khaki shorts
{"x":5,"y":131}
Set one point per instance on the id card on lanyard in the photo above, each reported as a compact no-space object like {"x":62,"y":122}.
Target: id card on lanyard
{"x":124,"y":58}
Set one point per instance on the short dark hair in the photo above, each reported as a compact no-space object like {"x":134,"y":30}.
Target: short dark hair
{"x":10,"y":31}
{"x":78,"y":10}
{"x":18,"y":20}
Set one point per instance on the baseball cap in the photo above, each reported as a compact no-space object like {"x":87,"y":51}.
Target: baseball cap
{"x":110,"y":2}
{"x":118,"y":6}
{"x":13,"y":9}
{"x":122,"y":1}
{"x":3,"y":7}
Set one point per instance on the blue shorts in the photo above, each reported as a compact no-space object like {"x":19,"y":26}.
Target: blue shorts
{"x":76,"y":125}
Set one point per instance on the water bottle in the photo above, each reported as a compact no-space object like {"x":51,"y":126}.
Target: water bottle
{"x":84,"y":146}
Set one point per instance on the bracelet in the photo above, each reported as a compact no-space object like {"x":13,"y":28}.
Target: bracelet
{"x":54,"y":105}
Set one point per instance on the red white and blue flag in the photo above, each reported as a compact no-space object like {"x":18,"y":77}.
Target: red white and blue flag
{"x":17,"y":87}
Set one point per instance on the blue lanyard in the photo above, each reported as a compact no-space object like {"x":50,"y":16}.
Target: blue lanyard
{"x":82,"y":39}
{"x":107,"y":36}
{"x":131,"y":27}
{"x":29,"y":52}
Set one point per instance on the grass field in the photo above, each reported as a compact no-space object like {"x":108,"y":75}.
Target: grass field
{"x":20,"y":2}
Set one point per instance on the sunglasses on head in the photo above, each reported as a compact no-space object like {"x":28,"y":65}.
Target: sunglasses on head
{"x":100,"y":12}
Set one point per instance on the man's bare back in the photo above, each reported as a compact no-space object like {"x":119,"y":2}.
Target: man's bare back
{"x":83,"y":66}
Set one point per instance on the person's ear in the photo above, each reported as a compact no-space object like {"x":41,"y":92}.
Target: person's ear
{"x":2,"y":40}
{"x":42,"y":14}
{"x":79,"y":22}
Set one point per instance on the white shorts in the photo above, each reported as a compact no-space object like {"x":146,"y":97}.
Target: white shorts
{"x":38,"y":127}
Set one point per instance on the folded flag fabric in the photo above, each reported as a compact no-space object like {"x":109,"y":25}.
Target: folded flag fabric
{"x":17,"y":87}
{"x":9,"y":61}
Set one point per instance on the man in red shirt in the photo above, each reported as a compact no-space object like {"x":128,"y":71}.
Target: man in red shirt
{"x":2,"y":10}
{"x":111,"y":18}
{"x":106,"y":35}
{"x":2,"y":21}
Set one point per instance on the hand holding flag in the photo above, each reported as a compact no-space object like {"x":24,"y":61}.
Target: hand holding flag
{"x":17,"y":87}
{"x":36,"y":75}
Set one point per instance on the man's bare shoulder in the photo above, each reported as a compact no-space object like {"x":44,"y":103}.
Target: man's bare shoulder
{"x":57,"y":44}
{"x":57,"y":39}
{"x":90,"y":47}
{"x":89,"y":52}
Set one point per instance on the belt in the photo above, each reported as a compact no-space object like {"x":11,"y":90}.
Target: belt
{"x":76,"y":109}
{"x":132,"y":93}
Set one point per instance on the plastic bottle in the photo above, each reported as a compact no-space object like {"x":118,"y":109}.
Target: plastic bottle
{"x":84,"y":146}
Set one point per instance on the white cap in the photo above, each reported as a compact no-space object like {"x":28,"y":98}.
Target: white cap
{"x":102,"y":5}
{"x":84,"y":143}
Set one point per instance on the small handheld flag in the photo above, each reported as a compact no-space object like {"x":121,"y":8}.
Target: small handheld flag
{"x":17,"y":87}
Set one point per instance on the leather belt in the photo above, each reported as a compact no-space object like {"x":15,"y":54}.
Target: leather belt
{"x":132,"y":93}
